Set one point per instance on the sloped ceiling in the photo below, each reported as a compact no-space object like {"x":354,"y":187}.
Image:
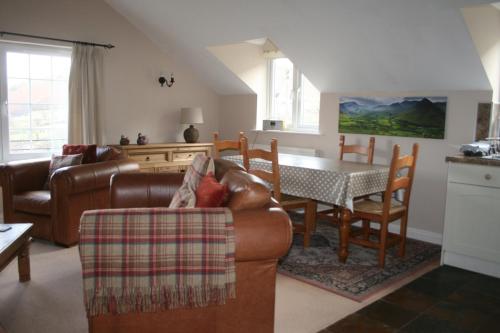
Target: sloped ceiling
{"x":355,"y":45}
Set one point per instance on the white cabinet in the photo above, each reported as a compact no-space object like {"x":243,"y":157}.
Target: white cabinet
{"x":471,"y":237}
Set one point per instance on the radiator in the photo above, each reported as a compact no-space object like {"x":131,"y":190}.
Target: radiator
{"x":288,"y":150}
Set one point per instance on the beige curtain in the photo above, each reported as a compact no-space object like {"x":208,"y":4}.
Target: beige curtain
{"x":85,"y":90}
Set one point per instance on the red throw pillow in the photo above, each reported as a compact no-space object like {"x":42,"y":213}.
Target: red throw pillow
{"x":210,"y":193}
{"x":89,"y":152}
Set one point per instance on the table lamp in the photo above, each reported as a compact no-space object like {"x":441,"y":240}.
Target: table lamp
{"x":191,"y":116}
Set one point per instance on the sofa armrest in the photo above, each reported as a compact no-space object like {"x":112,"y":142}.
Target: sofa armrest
{"x":22,"y":176}
{"x":88,"y":177}
{"x":262,"y":233}
{"x":144,"y":189}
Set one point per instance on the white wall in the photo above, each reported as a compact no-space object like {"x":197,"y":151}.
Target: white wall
{"x":484,"y":26}
{"x":429,"y":191}
{"x":246,"y":60}
{"x":133,"y":99}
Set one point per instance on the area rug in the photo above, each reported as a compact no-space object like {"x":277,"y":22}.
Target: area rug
{"x":360,"y":277}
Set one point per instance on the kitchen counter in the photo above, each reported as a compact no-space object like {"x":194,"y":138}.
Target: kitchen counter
{"x":473,"y":160}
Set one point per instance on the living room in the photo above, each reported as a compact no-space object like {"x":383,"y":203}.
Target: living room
{"x":377,"y":50}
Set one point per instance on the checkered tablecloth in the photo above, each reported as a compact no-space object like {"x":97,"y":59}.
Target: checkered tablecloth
{"x":327,"y":180}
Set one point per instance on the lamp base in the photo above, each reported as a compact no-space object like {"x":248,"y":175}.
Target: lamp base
{"x":191,"y":134}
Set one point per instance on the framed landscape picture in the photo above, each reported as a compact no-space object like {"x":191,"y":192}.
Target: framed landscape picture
{"x":421,"y":117}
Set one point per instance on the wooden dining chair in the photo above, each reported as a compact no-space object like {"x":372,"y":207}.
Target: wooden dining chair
{"x":334,"y":213}
{"x":357,"y":149}
{"x":288,"y":202}
{"x":222,"y":145}
{"x":386,"y":211}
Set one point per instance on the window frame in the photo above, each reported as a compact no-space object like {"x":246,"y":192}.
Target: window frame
{"x":297,"y":102}
{"x":5,"y":47}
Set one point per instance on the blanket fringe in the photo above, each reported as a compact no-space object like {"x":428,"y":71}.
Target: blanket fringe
{"x":124,"y":300}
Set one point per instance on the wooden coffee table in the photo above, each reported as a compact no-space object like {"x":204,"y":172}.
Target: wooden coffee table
{"x":15,"y":243}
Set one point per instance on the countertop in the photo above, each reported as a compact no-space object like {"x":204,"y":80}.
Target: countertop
{"x":473,"y":160}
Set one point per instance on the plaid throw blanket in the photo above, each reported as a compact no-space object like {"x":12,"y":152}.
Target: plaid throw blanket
{"x":153,"y":259}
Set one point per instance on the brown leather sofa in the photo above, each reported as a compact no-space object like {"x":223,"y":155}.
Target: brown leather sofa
{"x":263,"y":234}
{"x":56,"y":213}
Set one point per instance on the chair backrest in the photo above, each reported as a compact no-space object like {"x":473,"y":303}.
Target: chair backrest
{"x":272,"y":177}
{"x":398,"y":181}
{"x":221,"y":145}
{"x":357,"y":149}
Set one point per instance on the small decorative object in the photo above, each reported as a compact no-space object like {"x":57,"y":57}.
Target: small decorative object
{"x":191,"y":116}
{"x":421,"y":117}
{"x":163,"y":81}
{"x":142,"y":139}
{"x":124,"y":140}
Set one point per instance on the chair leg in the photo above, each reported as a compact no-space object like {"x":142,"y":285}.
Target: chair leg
{"x":402,"y":233}
{"x":310,"y":221}
{"x":383,"y":243}
{"x":366,"y":229}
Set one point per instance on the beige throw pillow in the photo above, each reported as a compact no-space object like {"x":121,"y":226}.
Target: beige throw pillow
{"x":60,"y":161}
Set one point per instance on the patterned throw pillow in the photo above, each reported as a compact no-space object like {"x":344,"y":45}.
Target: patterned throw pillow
{"x":89,"y":152}
{"x":185,"y":197}
{"x":60,"y":161}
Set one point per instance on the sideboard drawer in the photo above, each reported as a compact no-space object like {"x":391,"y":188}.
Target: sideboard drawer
{"x":168,"y":169}
{"x":185,"y":156}
{"x":148,"y":157}
{"x":481,"y":175}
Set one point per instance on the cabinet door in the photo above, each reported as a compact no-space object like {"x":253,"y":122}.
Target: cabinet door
{"x":472,"y":223}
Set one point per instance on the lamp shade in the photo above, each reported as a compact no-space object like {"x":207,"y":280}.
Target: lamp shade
{"x":191,"y":116}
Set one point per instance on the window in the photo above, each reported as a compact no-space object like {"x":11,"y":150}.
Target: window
{"x":292,"y":97}
{"x":34,"y":96}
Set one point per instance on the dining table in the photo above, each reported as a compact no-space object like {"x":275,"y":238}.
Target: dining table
{"x":327,"y":180}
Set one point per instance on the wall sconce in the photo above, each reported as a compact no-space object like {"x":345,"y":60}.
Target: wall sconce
{"x":163,"y":81}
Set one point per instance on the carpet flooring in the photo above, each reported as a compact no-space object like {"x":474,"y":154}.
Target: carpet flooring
{"x":53,"y":302}
{"x":360,"y":277}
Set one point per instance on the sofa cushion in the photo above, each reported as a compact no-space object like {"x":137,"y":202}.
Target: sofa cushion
{"x":61,"y":161}
{"x":210,"y":193}
{"x":107,"y":153}
{"x":185,"y":197}
{"x":246,"y":191}
{"x":33,"y":202}
{"x":222,"y":166}
{"x":89,"y":152}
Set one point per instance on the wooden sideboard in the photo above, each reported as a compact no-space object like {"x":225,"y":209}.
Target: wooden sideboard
{"x":165,"y":157}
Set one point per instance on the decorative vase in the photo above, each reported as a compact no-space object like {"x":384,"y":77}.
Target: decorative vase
{"x":191,"y":134}
{"x":142,"y":139}
{"x":124,"y":140}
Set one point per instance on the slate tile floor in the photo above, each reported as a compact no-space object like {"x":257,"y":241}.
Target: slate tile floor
{"x":445,"y":300}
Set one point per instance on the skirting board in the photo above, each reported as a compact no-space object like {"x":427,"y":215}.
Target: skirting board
{"x":471,"y":263}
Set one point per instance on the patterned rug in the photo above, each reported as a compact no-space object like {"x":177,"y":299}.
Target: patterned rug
{"x":360,"y":277}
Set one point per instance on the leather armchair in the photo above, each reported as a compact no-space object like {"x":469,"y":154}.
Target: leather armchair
{"x":56,"y":213}
{"x":262,"y":236}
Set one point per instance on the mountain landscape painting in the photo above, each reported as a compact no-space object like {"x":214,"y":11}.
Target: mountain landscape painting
{"x":421,"y":117}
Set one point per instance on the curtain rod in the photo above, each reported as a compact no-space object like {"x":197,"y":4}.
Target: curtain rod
{"x":108,"y":46}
